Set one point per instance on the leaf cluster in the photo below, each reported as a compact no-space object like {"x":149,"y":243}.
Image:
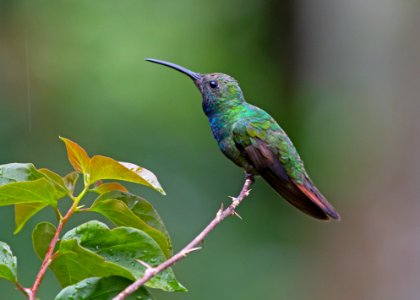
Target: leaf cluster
{"x":91,"y":261}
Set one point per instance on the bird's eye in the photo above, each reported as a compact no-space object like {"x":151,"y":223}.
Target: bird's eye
{"x":213,"y":84}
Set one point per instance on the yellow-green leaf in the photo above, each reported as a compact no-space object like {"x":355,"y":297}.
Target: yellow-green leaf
{"x":57,"y":180}
{"x":103,"y":167}
{"x":77,"y":156}
{"x":25,"y":211}
{"x":24,"y":172}
{"x":37,"y":191}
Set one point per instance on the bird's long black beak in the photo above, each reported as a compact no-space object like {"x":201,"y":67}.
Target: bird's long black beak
{"x":194,"y":76}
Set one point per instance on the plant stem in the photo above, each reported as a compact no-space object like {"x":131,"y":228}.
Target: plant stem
{"x":192,"y":246}
{"x":58,"y":214}
{"x":21,"y":288}
{"x":48,"y":256}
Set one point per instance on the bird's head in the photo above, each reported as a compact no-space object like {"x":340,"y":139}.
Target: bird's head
{"x":220,"y":92}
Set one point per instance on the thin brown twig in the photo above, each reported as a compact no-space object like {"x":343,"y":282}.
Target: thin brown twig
{"x":48,"y":256}
{"x":21,"y":288}
{"x":193,"y":245}
{"x":31,"y":292}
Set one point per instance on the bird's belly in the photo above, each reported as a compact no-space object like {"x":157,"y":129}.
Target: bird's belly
{"x":229,"y":149}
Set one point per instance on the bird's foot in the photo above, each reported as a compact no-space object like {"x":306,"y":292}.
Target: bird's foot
{"x":249,"y":176}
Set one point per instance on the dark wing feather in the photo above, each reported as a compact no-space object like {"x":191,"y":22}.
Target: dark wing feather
{"x":270,"y":168}
{"x":265,"y":146}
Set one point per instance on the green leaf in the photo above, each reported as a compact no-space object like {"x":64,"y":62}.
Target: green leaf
{"x":23,"y":212}
{"x":17,"y":172}
{"x":37,"y":191}
{"x":57,"y":180}
{"x":96,"y":288}
{"x":30,"y":203}
{"x":93,"y":250}
{"x":73,"y":263}
{"x":140,"y":207}
{"x":118,"y":212}
{"x":8,"y":263}
{"x":70,"y":181}
{"x":125,"y":209}
{"x":42,"y":235}
{"x":77,"y":156}
{"x":109,"y":187}
{"x":103,"y":167}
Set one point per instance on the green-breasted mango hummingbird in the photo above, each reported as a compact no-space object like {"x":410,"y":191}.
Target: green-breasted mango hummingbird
{"x":253,"y":140}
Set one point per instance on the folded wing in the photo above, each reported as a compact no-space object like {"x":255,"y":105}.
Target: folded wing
{"x":289,"y":179}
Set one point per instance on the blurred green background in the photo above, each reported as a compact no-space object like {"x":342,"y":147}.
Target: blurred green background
{"x":341,"y":77}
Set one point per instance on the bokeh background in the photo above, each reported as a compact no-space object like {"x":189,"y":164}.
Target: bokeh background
{"x":341,"y":77}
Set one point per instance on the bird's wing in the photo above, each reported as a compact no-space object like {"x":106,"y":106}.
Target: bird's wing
{"x":267,"y":147}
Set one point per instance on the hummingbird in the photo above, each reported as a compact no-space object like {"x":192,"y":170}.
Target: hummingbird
{"x":254,"y":141}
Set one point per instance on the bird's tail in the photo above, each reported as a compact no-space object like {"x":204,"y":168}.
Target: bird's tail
{"x":310,"y":190}
{"x":305,"y":197}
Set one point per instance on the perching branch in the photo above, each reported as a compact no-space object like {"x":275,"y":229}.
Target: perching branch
{"x":193,"y":245}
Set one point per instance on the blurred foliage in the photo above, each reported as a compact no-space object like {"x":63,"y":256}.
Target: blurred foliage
{"x":341,"y":77}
